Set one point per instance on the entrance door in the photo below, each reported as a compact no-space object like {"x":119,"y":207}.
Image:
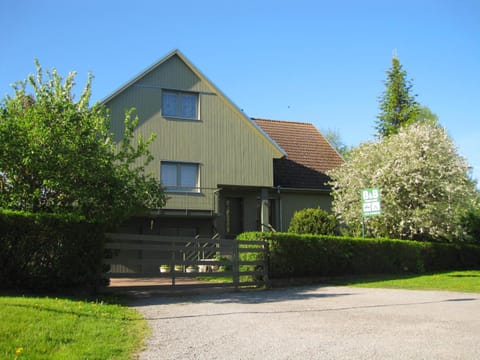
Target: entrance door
{"x":233,"y":216}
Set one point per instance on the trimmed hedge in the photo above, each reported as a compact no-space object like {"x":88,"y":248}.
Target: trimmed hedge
{"x":49,"y":251}
{"x":294,"y":255}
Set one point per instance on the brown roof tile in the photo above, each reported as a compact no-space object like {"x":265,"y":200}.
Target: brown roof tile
{"x":309,"y":154}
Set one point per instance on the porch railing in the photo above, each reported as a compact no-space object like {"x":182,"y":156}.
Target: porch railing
{"x":192,"y":200}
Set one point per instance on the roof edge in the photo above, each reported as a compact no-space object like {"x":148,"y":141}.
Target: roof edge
{"x":304,"y":123}
{"x":234,"y":106}
{"x":139,"y":76}
{"x":284,"y":121}
{"x":209,"y":83}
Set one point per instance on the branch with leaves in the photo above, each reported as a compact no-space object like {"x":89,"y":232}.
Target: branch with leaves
{"x":58,"y":155}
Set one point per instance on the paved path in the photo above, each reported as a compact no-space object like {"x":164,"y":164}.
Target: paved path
{"x":313,"y":323}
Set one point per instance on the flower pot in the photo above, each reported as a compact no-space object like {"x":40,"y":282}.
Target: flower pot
{"x":191,"y":269}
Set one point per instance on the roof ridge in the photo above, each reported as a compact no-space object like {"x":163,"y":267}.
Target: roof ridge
{"x":284,"y":121}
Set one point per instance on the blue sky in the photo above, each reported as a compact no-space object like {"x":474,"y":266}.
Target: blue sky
{"x":322,"y":62}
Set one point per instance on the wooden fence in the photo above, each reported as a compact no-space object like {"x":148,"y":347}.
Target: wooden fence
{"x":236,"y":262}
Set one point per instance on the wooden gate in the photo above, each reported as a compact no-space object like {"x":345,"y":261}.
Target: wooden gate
{"x":235,"y":262}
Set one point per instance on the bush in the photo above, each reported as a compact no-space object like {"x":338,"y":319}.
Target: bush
{"x":49,"y":251}
{"x":313,"y":221}
{"x":293,"y":255}
{"x":471,"y":222}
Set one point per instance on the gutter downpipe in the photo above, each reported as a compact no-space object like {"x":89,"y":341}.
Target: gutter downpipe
{"x":280,"y":210}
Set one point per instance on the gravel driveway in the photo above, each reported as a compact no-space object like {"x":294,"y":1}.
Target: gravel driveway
{"x":313,"y":323}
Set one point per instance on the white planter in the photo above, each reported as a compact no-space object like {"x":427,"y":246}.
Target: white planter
{"x":191,"y":269}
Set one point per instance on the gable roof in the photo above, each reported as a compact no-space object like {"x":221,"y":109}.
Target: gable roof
{"x":279,"y":151}
{"x":309,"y":154}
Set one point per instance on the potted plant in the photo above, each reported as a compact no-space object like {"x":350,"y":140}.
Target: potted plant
{"x":192,"y":268}
{"x":164,"y":268}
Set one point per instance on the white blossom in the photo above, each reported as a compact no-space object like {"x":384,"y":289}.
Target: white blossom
{"x":424,"y":185}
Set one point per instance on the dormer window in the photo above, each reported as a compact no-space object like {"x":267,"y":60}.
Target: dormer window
{"x":180,"y":104}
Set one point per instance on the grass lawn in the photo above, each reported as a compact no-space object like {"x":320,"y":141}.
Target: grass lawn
{"x":56,"y":328}
{"x":462,"y":281}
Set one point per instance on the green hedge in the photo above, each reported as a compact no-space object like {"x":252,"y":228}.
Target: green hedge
{"x":49,"y":251}
{"x":294,"y":255}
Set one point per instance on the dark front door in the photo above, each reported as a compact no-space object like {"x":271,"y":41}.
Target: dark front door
{"x":233,"y":216}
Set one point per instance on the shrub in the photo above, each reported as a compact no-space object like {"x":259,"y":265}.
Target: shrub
{"x":313,"y":221}
{"x":49,"y":251}
{"x":294,"y":255}
{"x":471,"y":222}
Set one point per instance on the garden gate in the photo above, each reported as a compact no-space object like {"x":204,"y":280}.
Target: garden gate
{"x":235,"y":262}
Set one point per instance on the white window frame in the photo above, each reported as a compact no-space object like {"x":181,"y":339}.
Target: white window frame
{"x":180,"y":104}
{"x":177,"y":187}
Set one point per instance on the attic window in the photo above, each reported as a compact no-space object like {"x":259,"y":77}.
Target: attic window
{"x":180,"y":104}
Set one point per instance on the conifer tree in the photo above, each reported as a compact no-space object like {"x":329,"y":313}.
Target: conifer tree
{"x":398,"y":106}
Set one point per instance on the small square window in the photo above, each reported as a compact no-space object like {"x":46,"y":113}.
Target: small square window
{"x":183,"y":105}
{"x":182,"y":177}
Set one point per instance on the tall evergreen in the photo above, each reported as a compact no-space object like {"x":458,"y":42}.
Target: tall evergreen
{"x":398,"y":106}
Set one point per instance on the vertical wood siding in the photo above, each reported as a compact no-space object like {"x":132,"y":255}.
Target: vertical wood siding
{"x":229,"y":149}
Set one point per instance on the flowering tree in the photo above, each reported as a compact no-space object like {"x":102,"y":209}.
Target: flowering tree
{"x":58,"y":155}
{"x":425,"y":188}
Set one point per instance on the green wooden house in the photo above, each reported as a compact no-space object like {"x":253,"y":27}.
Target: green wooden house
{"x":223,"y":172}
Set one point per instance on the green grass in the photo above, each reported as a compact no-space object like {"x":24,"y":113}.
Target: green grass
{"x":215,"y":279}
{"x":462,"y":281}
{"x":53,"y":328}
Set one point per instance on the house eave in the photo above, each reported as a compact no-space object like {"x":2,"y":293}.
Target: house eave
{"x":304,"y":190}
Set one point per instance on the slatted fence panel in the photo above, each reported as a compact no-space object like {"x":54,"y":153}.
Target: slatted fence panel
{"x":134,"y":255}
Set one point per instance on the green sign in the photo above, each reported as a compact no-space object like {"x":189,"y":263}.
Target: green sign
{"x":371,"y":202}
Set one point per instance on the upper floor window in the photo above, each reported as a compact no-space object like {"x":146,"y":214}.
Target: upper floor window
{"x":180,"y":104}
{"x":176,"y":176}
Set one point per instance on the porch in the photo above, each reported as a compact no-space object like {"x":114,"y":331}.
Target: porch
{"x":225,"y":210}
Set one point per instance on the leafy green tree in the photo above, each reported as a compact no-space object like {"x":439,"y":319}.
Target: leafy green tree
{"x":58,"y":155}
{"x":398,"y":106}
{"x":426,"y":115}
{"x":424,"y":184}
{"x":334,"y":138}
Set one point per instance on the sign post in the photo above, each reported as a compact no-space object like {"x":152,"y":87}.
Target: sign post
{"x":371,"y":204}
